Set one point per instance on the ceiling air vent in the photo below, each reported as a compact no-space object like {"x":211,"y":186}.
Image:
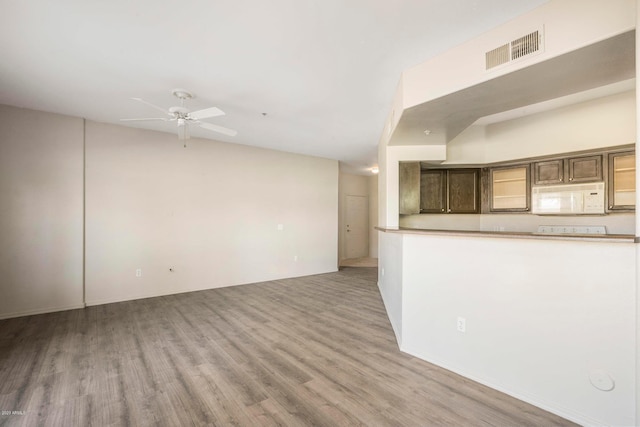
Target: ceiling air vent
{"x":518,"y":48}
{"x":498,"y":56}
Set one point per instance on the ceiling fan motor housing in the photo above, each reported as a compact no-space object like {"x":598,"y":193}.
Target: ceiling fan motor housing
{"x":182,"y":94}
{"x":179,"y":112}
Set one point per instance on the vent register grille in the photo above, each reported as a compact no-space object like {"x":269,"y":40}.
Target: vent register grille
{"x":515,"y":49}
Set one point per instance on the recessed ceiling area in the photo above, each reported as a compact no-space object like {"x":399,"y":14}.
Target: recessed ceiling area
{"x":309,"y":77}
{"x":599,"y":69}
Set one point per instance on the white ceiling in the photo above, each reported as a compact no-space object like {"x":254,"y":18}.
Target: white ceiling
{"x":323,"y":71}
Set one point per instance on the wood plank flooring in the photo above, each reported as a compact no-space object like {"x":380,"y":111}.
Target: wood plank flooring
{"x":316,"y":351}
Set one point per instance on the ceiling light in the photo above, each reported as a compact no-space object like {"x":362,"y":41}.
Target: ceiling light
{"x":427,"y":132}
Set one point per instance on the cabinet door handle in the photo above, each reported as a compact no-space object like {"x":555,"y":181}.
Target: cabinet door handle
{"x":570,"y":179}
{"x":442,"y":210}
{"x":610,"y":207}
{"x":448,"y":210}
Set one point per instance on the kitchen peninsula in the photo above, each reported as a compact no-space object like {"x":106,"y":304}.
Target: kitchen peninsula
{"x":480,"y":284}
{"x":538,"y":317}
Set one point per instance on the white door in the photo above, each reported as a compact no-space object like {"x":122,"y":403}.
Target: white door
{"x":357,"y":227}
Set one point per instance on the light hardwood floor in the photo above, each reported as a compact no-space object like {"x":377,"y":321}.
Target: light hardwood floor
{"x":316,"y":350}
{"x":359,"y":262}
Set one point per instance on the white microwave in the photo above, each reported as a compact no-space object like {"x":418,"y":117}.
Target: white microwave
{"x":572,"y":199}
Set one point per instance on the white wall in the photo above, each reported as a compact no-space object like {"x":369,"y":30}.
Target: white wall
{"x":41,"y":188}
{"x":545,"y":316}
{"x":390,"y":279}
{"x":209,"y":211}
{"x":598,"y":123}
{"x":637,"y":233}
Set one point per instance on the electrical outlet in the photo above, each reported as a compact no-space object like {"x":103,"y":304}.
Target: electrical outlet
{"x":461,"y":324}
{"x":138,"y":272}
{"x":280,"y":227}
{"x":295,"y":258}
{"x":382,"y":271}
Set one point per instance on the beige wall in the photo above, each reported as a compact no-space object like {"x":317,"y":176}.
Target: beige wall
{"x":210,"y":212}
{"x":41,"y":188}
{"x":373,"y":216}
{"x":602,"y":122}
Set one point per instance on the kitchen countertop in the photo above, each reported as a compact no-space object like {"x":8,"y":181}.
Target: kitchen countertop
{"x":612,"y":238}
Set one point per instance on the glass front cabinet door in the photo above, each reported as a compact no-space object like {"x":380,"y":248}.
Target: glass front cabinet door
{"x":510,"y":189}
{"x":622,"y":181}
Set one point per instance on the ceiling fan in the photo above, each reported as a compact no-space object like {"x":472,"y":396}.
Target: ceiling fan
{"x":183,"y":117}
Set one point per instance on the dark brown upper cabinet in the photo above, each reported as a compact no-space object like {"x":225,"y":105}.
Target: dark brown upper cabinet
{"x":549,"y":172}
{"x":409,"y":186}
{"x":450,"y":191}
{"x":585,"y":169}
{"x":433,"y":191}
{"x":463,"y":190}
{"x":568,"y":170}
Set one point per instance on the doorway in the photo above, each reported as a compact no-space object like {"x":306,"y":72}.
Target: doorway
{"x":356,"y":227}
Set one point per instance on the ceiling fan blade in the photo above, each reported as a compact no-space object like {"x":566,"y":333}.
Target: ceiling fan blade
{"x":152,"y":105}
{"x":206,"y":113}
{"x":139,"y":120}
{"x":219,"y":129}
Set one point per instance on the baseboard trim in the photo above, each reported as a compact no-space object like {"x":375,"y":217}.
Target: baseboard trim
{"x":40,"y":311}
{"x":118,"y":299}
